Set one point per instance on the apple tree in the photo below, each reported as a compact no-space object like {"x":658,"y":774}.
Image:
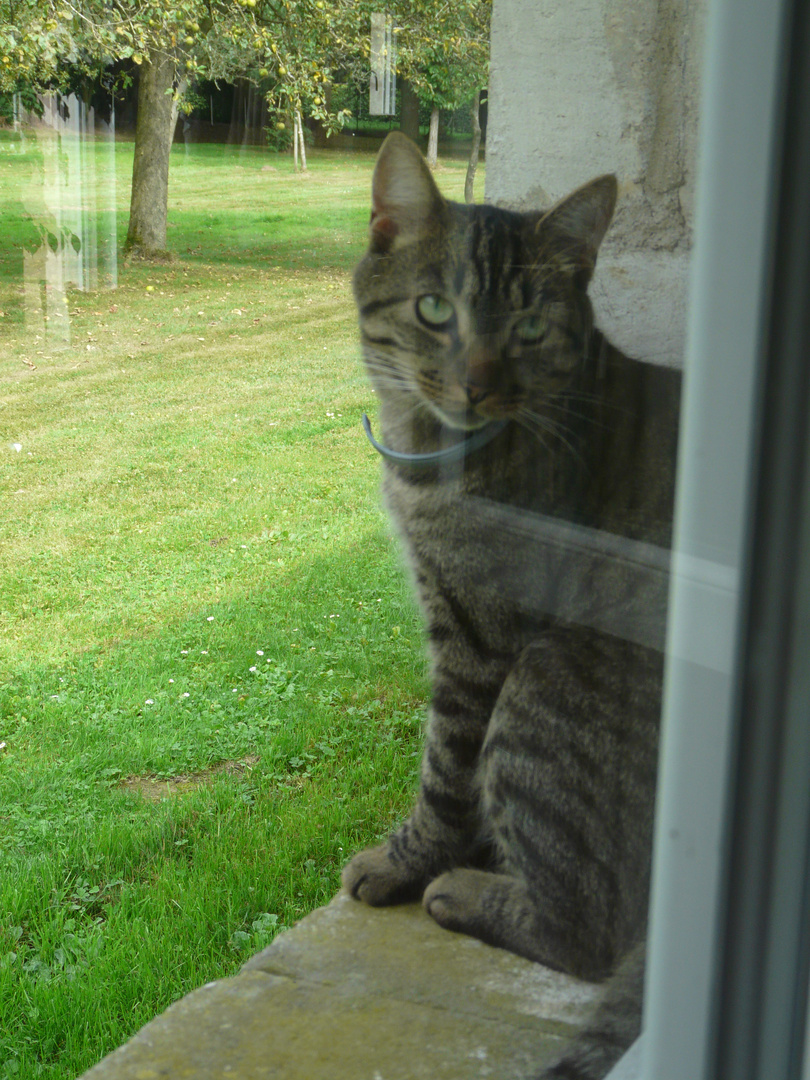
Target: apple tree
{"x":283,"y":43}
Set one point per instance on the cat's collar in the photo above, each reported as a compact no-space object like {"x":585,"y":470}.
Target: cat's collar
{"x":468,"y":445}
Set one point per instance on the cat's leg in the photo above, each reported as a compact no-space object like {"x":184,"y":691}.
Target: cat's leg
{"x":443,"y":826}
{"x":568,"y":770}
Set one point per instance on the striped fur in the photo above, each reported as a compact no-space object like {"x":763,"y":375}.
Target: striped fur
{"x":540,"y":563}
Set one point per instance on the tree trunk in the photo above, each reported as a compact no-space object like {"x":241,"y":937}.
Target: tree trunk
{"x":299,"y":124}
{"x":154,"y":131}
{"x":472,"y":165}
{"x":409,"y":114}
{"x":433,"y":138}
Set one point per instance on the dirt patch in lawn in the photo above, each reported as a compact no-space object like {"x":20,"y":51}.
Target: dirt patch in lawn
{"x":155,"y":789}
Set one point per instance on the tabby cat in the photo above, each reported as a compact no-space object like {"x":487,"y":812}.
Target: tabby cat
{"x":528,"y":468}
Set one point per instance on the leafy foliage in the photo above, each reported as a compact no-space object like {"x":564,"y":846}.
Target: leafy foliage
{"x":295,"y":49}
{"x":287,"y":46}
{"x":442,"y":49}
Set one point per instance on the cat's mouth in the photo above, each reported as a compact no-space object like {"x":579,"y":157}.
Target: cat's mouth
{"x":469,"y":400}
{"x":461,"y":419}
{"x":464,"y":404}
{"x":461,"y":414}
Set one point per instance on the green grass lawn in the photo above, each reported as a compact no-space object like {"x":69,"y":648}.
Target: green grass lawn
{"x":211,"y":674}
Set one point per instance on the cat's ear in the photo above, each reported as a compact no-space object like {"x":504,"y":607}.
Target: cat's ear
{"x":579,"y":223}
{"x":404,"y":196}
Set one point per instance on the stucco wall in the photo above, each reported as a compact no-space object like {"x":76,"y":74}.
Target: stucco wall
{"x":583,"y":87}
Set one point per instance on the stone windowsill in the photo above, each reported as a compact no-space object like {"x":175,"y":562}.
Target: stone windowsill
{"x":357,"y":993}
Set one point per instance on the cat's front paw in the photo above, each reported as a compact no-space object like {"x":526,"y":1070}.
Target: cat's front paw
{"x":494,"y":908}
{"x":374,"y":877}
{"x":454,"y":899}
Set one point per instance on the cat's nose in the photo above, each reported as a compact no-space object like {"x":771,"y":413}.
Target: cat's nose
{"x":478,"y":382}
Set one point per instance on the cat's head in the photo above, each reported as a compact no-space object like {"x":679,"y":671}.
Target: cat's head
{"x":476,"y":312}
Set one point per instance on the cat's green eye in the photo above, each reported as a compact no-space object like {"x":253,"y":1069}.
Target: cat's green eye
{"x":531,"y":328}
{"x":434,"y":311}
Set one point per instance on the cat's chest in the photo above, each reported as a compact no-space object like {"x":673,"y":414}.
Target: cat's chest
{"x":476,"y":548}
{"x":513,"y":568}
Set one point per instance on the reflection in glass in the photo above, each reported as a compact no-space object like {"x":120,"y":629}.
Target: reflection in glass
{"x":68,"y":204}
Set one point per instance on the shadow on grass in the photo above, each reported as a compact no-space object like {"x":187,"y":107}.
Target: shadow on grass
{"x":293,"y":715}
{"x":302,"y":674}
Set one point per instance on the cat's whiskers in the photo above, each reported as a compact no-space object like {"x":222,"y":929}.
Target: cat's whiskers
{"x":388,"y":375}
{"x":541,"y":425}
{"x":596,"y":399}
{"x":389,"y":372}
{"x":558,"y":402}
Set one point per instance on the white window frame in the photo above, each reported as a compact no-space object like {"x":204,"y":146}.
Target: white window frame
{"x":727,"y":978}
